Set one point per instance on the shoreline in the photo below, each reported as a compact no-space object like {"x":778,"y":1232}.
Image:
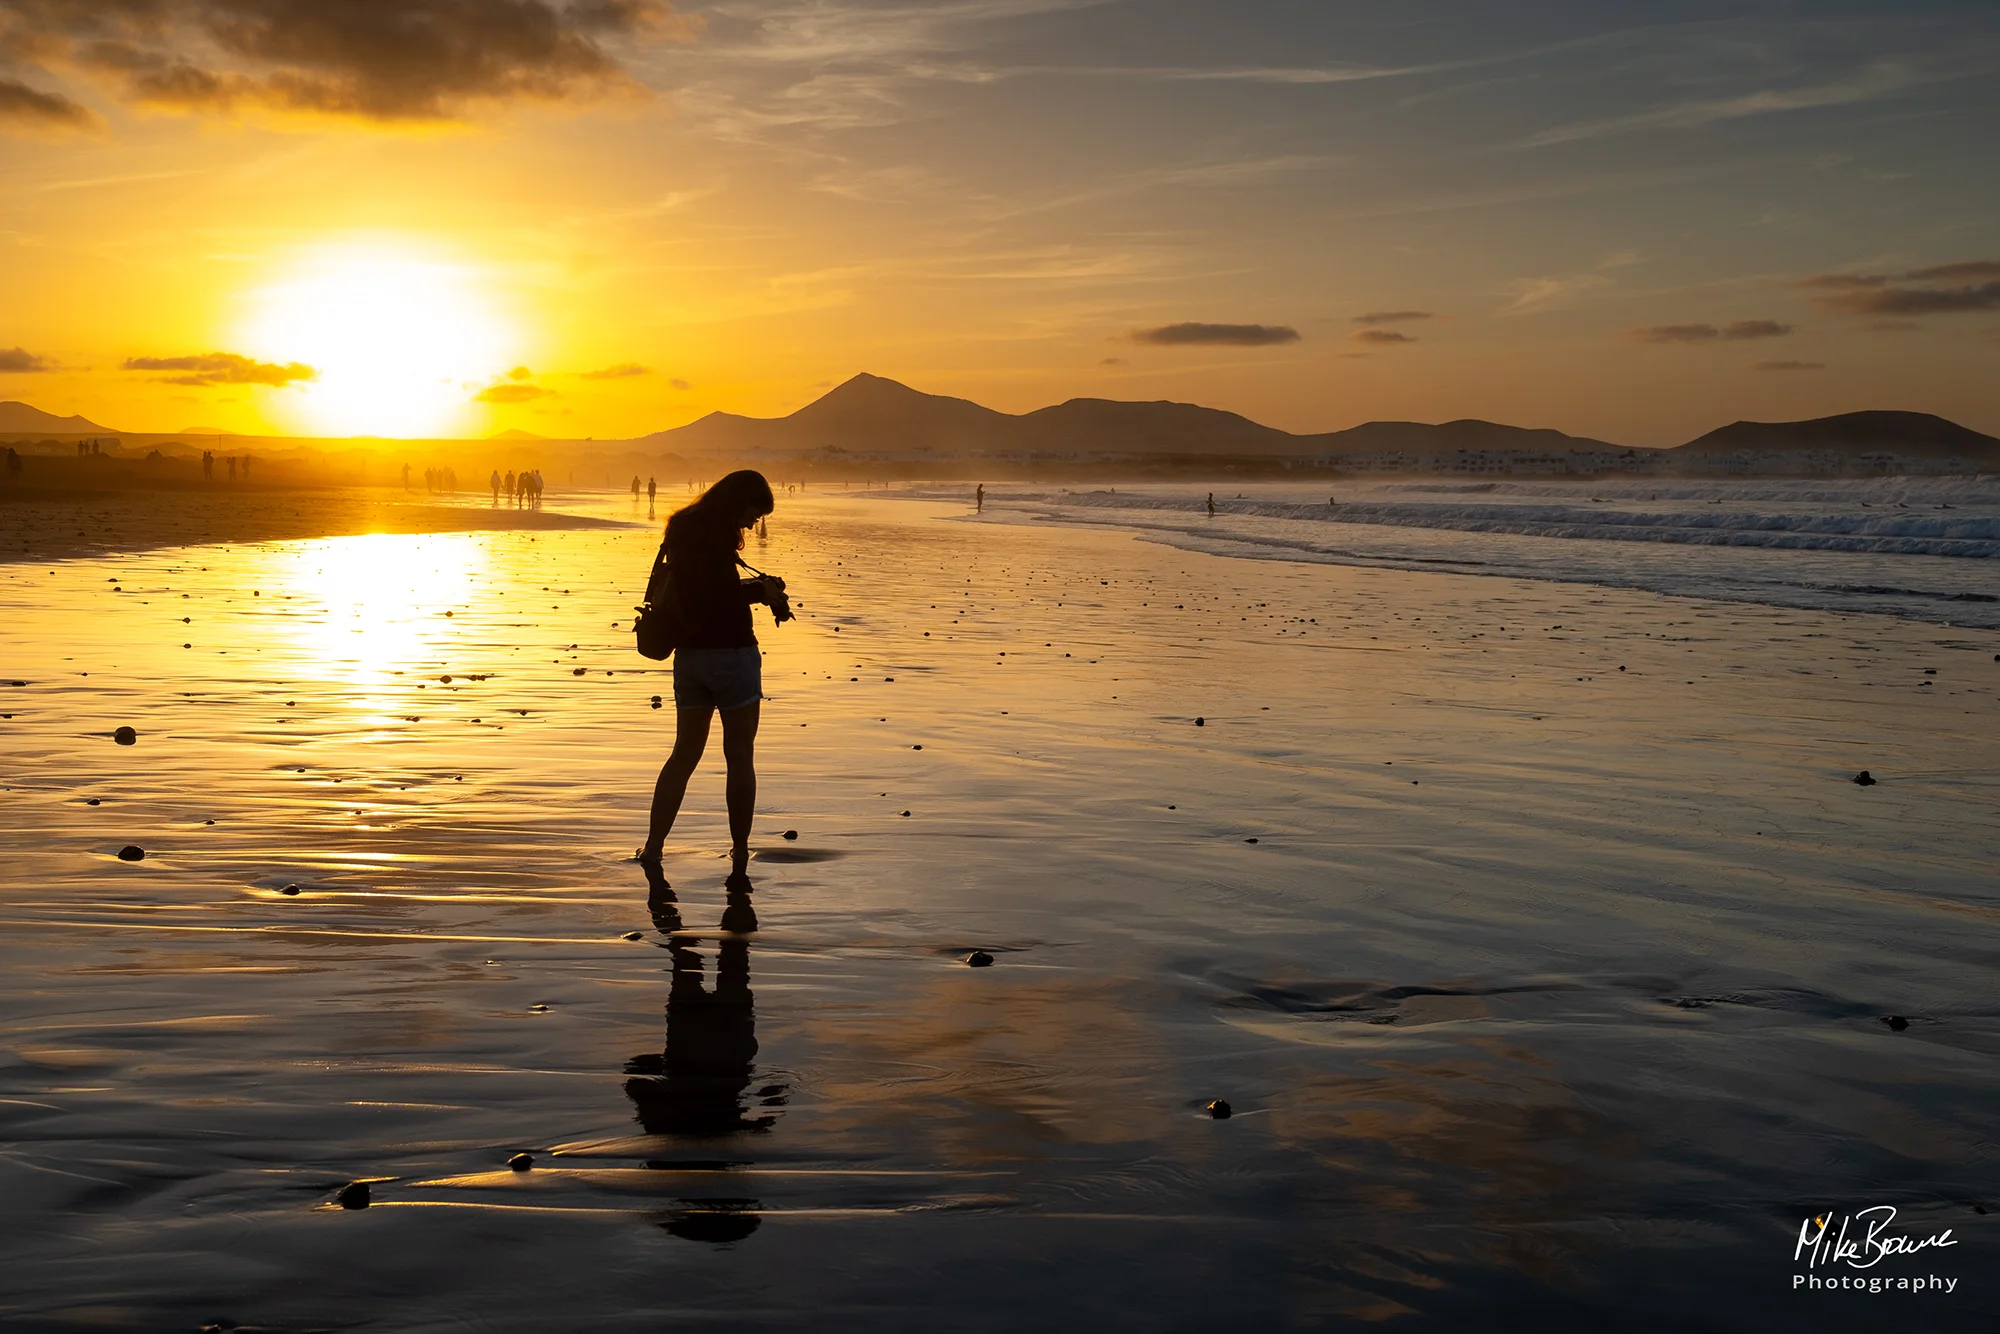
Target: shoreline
{"x":40,"y":526}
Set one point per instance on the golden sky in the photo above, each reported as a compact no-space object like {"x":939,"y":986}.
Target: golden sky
{"x":606,"y":217}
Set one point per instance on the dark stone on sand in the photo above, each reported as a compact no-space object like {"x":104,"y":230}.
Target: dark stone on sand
{"x":656,"y":701}
{"x":444,"y":680}
{"x":1896,"y":1022}
{"x":1864,"y":779}
{"x":916,"y":747}
{"x":539,"y":1009}
{"x":791,"y":835}
{"x":1219,"y":1109}
{"x":91,"y":801}
{"x":1249,"y":840}
{"x":632,"y":935}
{"x":131,"y":852}
{"x":290,"y":891}
{"x":906,"y":812}
{"x":521,"y":1162}
{"x":125,"y":736}
{"x":578,"y":671}
{"x":979,"y":959}
{"x":354,"y":1195}
{"x":1201,"y":722}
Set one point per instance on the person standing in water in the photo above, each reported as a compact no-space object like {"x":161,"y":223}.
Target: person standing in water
{"x":718,"y":667}
{"x":1211,"y":504}
{"x":496,"y":486}
{"x":979,"y":499}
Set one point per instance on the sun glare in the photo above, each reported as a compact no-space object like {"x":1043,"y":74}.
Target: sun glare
{"x":401,"y":341}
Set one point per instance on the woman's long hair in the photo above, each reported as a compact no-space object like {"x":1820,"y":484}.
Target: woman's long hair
{"x":730,"y":497}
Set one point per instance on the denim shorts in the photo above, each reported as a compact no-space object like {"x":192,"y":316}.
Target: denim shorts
{"x":718,"y":678}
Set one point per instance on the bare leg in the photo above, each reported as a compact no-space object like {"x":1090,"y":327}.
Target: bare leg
{"x":739,"y":749}
{"x":690,"y":739}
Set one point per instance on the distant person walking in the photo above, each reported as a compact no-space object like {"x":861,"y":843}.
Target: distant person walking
{"x":507,"y":486}
{"x":13,"y":465}
{"x":718,"y":667}
{"x":207,"y":465}
{"x":232,"y":467}
{"x":1211,"y":504}
{"x":496,"y":487}
{"x":652,"y":489}
{"x":635,"y":488}
{"x":979,"y":499}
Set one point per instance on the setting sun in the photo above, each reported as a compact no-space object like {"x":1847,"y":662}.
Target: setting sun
{"x":400,"y":340}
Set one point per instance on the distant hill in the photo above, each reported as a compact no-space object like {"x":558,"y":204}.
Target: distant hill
{"x":1911,"y":434}
{"x":21,"y":417}
{"x":1465,"y":433}
{"x":516,"y":434}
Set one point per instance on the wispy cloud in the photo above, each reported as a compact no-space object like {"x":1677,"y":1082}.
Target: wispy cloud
{"x":1882,"y":79}
{"x":1532,"y":295}
{"x":623,"y":371}
{"x":1392,"y":316}
{"x":1380,"y":337}
{"x":1788,"y":366}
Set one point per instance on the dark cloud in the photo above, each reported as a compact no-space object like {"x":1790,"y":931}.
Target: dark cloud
{"x":509,"y":392}
{"x":1112,"y":361}
{"x":1967,"y":268}
{"x":1677,"y":333}
{"x":1880,"y":294}
{"x":383,"y":60}
{"x":1380,"y":337}
{"x":211,"y":368}
{"x":1755,"y":329}
{"x":31,"y":107}
{"x":623,"y":371}
{"x":1220,"y":335}
{"x":680,"y":384}
{"x":1788,"y":366}
{"x":1706,"y":333}
{"x":1915,"y":300}
{"x":20,"y":361}
{"x":1393,"y":316}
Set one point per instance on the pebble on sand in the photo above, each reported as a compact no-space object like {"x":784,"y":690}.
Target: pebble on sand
{"x":125,"y":736}
{"x":1896,"y":1022}
{"x":131,"y":852}
{"x":290,"y":891}
{"x":354,"y":1195}
{"x":979,"y":959}
{"x":632,"y":935}
{"x":791,"y":835}
{"x":578,"y":671}
{"x":1864,"y":779}
{"x":656,"y":701}
{"x":1219,"y":1109}
{"x":906,"y":812}
{"x":521,"y":1162}
{"x":539,"y":1009}
{"x":1201,"y":722}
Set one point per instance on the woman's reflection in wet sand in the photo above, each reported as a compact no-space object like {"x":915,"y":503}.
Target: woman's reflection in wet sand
{"x":698,"y":1084}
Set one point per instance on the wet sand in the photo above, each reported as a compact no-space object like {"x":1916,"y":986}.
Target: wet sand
{"x":1543,"y":992}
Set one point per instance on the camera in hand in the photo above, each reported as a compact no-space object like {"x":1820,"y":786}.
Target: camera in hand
{"x":774,"y":596}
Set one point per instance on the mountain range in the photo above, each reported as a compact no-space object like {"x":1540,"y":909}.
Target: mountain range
{"x":870,"y":414}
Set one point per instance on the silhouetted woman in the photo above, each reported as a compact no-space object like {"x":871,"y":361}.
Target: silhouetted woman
{"x":717,"y":667}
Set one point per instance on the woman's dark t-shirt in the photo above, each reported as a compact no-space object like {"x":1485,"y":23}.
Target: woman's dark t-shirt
{"x":701,"y":558}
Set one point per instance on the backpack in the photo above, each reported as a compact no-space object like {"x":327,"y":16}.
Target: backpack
{"x":661,"y":624}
